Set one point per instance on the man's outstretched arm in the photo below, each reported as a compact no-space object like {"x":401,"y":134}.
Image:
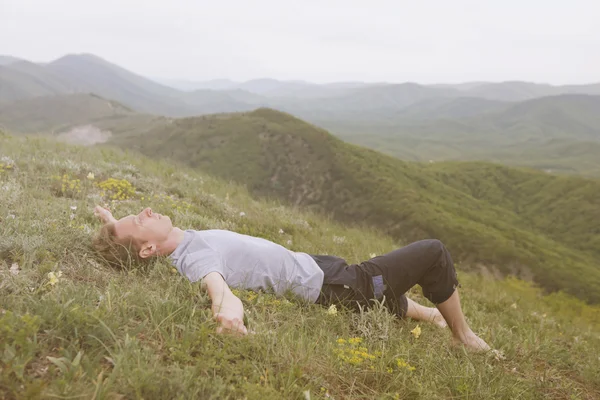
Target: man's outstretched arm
{"x":227,"y":309}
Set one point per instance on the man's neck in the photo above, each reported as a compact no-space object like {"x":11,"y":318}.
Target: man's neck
{"x":169,"y":245}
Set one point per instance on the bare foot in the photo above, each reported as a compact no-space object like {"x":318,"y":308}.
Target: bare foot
{"x":472,"y":342}
{"x":437,"y":318}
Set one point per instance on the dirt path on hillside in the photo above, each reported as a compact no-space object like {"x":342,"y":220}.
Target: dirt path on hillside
{"x":86,"y":135}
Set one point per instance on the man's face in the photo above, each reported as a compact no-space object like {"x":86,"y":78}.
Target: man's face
{"x":146,"y":228}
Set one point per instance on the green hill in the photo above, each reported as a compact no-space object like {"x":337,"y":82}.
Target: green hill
{"x":55,"y":113}
{"x":277,"y":155}
{"x":449,"y":108}
{"x":541,"y":133}
{"x":95,"y":332}
{"x":24,"y":80}
{"x":573,"y":117}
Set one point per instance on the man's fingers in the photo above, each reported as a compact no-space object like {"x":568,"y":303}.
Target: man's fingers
{"x":104,"y":214}
{"x":230,"y":325}
{"x":239,"y":327}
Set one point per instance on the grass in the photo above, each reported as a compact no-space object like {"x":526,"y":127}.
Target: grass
{"x":145,"y":332}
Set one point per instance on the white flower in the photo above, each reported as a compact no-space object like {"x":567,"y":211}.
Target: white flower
{"x":91,"y":176}
{"x":72,"y":216}
{"x":289,"y":242}
{"x":339,"y":239}
{"x":7,"y":161}
{"x":242,"y":214}
{"x":372,"y":255}
{"x":281,"y":231}
{"x":498,"y":355}
{"x":73,"y":208}
{"x":53,"y":278}
{"x":11,"y":216}
{"x":332,"y":310}
{"x":14,"y":269}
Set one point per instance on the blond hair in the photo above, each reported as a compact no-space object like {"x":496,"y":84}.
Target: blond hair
{"x":116,"y":251}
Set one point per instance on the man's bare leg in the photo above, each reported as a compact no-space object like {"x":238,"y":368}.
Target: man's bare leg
{"x":422,"y":313}
{"x":461,"y":332}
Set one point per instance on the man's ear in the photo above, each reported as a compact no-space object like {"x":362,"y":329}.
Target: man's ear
{"x":148,"y":250}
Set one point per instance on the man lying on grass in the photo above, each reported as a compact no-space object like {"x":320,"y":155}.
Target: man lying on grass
{"x":224,"y":259}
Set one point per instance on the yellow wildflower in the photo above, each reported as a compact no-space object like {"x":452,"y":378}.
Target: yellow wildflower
{"x":416,"y":332}
{"x":355,"y":340}
{"x":332,"y":310}
{"x":403,"y":364}
{"x":341,"y":341}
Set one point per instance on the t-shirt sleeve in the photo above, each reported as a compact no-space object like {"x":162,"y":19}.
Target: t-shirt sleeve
{"x":198,"y":264}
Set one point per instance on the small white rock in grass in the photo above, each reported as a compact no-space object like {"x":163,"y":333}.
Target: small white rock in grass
{"x":14,"y":269}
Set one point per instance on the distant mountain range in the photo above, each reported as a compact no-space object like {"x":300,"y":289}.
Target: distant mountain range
{"x":542,"y":124}
{"x":88,"y":73}
{"x":501,"y":91}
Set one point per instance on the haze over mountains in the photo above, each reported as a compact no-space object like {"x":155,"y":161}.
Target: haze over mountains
{"x":85,"y":72}
{"x":553,"y":128}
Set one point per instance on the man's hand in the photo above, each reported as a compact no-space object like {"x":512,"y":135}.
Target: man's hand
{"x":104,"y":214}
{"x":227,"y":309}
{"x":230,"y":315}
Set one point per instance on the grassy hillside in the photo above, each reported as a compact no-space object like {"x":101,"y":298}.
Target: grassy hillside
{"x":24,"y":80}
{"x":573,"y":117}
{"x":448,"y":108}
{"x":55,"y":113}
{"x":277,"y":155}
{"x":542,"y":133}
{"x":93,"y":332}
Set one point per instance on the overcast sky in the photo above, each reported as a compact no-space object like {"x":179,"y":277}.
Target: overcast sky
{"x":317,"y":40}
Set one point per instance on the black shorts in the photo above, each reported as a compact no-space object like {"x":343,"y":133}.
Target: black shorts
{"x":426,"y":263}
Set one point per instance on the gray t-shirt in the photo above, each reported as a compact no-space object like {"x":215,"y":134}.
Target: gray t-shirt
{"x":247,"y":262}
